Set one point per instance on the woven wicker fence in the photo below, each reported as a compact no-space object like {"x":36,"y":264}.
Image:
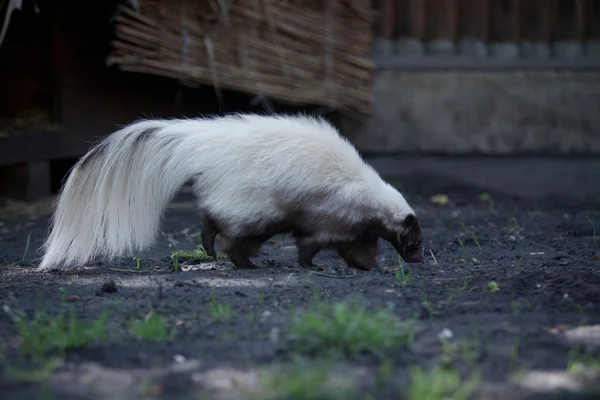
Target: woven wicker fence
{"x":299,"y":52}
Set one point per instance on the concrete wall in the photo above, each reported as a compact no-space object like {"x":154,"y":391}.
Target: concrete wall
{"x":487,"y":112}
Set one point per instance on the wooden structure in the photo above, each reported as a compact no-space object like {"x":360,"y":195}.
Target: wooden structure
{"x":296,"y":51}
{"x":488,"y":34}
{"x":55,"y":72}
{"x":54,"y":61}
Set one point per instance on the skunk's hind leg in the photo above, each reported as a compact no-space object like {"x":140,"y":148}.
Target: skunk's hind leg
{"x":359,"y":254}
{"x":240,"y":250}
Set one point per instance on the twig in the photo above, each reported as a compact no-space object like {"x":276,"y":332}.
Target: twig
{"x":321,"y":273}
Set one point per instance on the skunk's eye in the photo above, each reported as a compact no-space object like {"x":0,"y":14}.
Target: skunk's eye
{"x":418,"y":243}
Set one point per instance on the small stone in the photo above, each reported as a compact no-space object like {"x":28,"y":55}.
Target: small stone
{"x":72,"y":298}
{"x":440,"y":200}
{"x":155,"y":391}
{"x":109,"y":287}
{"x":274,"y":334}
{"x":445,"y":334}
{"x":179,"y":358}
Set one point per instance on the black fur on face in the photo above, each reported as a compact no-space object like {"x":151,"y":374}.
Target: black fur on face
{"x":409,"y":241}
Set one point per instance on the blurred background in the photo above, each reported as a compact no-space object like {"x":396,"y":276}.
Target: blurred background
{"x":415,"y":84}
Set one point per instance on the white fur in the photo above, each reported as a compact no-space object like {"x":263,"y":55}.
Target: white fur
{"x":114,"y":205}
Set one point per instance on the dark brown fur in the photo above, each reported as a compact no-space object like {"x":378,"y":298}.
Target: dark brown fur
{"x":359,"y":253}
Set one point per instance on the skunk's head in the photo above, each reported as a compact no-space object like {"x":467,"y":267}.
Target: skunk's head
{"x":408,"y":240}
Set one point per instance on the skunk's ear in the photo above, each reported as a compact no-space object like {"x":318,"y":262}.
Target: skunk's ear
{"x":410,"y":223}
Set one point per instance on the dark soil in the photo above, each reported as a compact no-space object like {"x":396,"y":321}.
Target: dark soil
{"x":543,"y":254}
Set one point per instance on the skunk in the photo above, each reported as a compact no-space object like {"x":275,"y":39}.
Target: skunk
{"x":253,"y":177}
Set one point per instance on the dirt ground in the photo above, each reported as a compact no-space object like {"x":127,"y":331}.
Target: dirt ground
{"x":537,"y":336}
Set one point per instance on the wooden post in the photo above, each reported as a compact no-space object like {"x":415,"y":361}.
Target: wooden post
{"x":58,"y":57}
{"x":548,"y":20}
{"x":451,"y":20}
{"x":581,"y":9}
{"x":388,"y":19}
{"x":515,"y":20}
{"x":418,"y":16}
{"x":481,"y":18}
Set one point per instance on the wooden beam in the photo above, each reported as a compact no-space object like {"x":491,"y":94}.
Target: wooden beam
{"x":443,"y":62}
{"x":418,"y":19}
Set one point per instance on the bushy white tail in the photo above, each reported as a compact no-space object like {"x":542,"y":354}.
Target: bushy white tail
{"x":114,"y":198}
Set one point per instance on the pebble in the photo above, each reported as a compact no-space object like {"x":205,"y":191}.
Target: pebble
{"x":179,"y":358}
{"x":109,"y":287}
{"x":72,"y":298}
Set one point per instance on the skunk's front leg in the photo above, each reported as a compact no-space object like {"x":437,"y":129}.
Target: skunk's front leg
{"x":240,"y":250}
{"x":306,"y":252}
{"x":360,"y":254}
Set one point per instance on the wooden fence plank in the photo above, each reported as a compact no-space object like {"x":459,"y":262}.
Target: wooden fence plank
{"x":388,"y":19}
{"x":418,"y":18}
{"x":581,"y":9}
{"x":451,"y":20}
{"x":481,"y":11}
{"x":515,"y":20}
{"x":547,"y":20}
{"x":486,"y":20}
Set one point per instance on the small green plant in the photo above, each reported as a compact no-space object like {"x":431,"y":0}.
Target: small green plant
{"x":513,"y":225}
{"x":465,"y":256}
{"x":34,"y":374}
{"x":261,"y":297}
{"x":43,"y":334}
{"x":493,"y":286}
{"x":462,"y":288}
{"x":385,"y":370}
{"x":347,"y":328}
{"x":453,"y":351}
{"x":402,"y":278}
{"x":440,"y":384}
{"x":26,"y":248}
{"x":484,"y":197}
{"x":433,"y":260}
{"x":152,"y":327}
{"x":137,"y":262}
{"x":476,"y":242}
{"x":175,"y":258}
{"x":579,"y":362}
{"x":251,"y":317}
{"x":220,"y":312}
{"x":593,"y":226}
{"x":197,"y":256}
{"x":428,"y":307}
{"x":514,"y":355}
{"x":303,"y":381}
